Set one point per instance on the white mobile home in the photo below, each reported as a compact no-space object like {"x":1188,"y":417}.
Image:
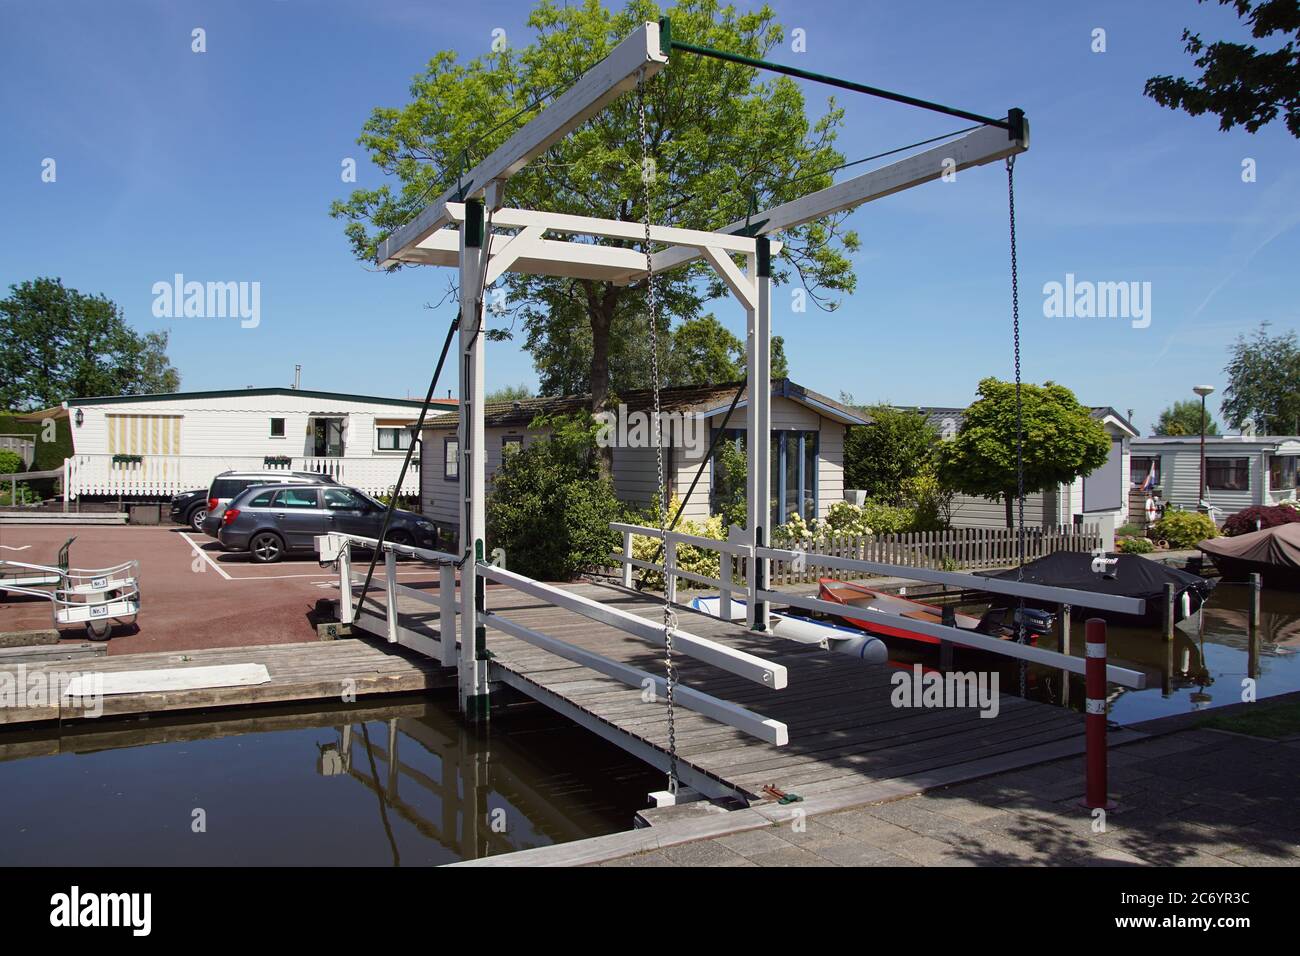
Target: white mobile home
{"x":807,"y":448}
{"x":1099,"y":498}
{"x":152,"y":446}
{"x":1240,"y":470}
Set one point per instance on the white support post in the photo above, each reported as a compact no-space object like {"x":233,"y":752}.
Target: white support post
{"x":472,"y":669}
{"x":627,"y":559}
{"x":447,"y":614}
{"x":345,"y":581}
{"x":390,"y":594}
{"x":758,"y":426}
{"x":670,"y":571}
{"x":724,"y":575}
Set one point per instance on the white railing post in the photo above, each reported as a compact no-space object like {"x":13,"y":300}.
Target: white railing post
{"x":345,"y":580}
{"x":390,"y":588}
{"x":627,"y":559}
{"x":670,"y":570}
{"x":447,"y":613}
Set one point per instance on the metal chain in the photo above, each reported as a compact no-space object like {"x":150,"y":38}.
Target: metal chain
{"x":652,"y":303}
{"x":1020,"y":419}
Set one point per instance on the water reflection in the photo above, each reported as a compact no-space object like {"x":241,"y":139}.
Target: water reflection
{"x":1203,"y":667}
{"x":399,"y":785}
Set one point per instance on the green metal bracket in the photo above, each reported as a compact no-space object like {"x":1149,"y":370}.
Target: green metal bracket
{"x":474,"y":230}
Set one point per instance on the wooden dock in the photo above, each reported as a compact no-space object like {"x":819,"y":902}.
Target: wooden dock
{"x":846,"y":738}
{"x":318,"y":670}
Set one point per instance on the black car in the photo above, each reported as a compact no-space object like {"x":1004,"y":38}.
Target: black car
{"x":270,"y":521}
{"x":190,"y":508}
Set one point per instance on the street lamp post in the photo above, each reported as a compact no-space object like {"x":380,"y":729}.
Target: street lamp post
{"x":1203,"y":390}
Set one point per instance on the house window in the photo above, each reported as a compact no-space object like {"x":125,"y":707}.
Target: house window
{"x":511,"y":441}
{"x":277,"y":427}
{"x":451,"y":459}
{"x":1227,"y":474}
{"x":1282,"y":472}
{"x":795,"y":456}
{"x":1140,"y":468}
{"x":393,"y":438}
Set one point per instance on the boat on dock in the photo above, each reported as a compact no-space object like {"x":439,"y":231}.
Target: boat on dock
{"x":905,"y":612}
{"x":839,"y":638}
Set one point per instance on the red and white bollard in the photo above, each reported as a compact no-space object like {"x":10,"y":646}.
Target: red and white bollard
{"x":1095,"y":792}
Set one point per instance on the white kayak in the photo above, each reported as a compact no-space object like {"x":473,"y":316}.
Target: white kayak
{"x":802,"y":630}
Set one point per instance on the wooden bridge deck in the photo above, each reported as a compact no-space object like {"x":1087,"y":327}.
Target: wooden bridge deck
{"x":844,"y":732}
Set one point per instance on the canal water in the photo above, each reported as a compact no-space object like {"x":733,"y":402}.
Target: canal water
{"x":1205,"y":666}
{"x":405,"y":784}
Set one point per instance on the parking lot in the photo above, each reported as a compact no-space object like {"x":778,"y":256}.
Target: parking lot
{"x":193,"y":595}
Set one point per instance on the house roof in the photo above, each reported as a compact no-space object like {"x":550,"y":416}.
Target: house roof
{"x":704,"y":399}
{"x":1229,"y":441}
{"x":946,"y":420}
{"x":232,"y":392}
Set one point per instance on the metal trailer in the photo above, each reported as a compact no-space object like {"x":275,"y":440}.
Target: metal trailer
{"x":20,"y":574}
{"x":95,"y":597}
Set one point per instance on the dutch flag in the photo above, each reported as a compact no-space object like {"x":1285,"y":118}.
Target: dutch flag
{"x":1150,"y":481}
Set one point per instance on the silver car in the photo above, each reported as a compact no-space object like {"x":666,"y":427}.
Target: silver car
{"x":271,"y":521}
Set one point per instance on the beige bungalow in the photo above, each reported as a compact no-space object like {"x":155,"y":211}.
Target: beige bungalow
{"x":807,"y":446}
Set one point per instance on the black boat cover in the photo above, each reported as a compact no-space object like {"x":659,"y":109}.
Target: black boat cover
{"x":1133,"y":576}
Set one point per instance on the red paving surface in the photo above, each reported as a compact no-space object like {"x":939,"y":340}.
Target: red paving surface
{"x":192,"y":595}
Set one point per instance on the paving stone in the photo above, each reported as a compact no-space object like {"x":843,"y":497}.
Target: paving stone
{"x":750,"y":842}
{"x":703,"y":853}
{"x":789,"y":856}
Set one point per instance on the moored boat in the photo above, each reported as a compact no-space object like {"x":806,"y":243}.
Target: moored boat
{"x":1273,"y":553}
{"x":905,"y":613}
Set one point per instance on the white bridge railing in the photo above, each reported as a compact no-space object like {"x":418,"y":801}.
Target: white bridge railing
{"x":743,"y":585}
{"x":337,"y":547}
{"x":167,"y":475}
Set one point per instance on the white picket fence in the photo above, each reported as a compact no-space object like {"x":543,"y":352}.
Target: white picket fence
{"x":968,"y":549}
{"x":166,"y":475}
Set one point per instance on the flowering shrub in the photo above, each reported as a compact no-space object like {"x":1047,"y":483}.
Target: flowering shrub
{"x":1183,"y":529}
{"x":704,"y":561}
{"x":1134,"y":545}
{"x":1257,"y":518}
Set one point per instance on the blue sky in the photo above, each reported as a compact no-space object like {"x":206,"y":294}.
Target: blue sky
{"x":222,"y":166}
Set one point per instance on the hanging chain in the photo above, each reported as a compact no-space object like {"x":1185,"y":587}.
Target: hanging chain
{"x":1020,"y":419}
{"x":648,"y":174}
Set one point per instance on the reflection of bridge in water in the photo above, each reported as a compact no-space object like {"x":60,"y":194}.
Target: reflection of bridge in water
{"x":489,"y":795}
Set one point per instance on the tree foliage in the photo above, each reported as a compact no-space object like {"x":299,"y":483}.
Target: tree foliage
{"x":1239,"y":83}
{"x":57,"y":343}
{"x":880,"y":458}
{"x":1061,"y":442}
{"x":718,"y":134}
{"x":508,"y":393}
{"x":550,"y":506}
{"x":1183,"y":417}
{"x":1264,"y":383}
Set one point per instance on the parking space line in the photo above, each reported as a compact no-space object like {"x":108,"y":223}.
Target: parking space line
{"x":206,"y":557}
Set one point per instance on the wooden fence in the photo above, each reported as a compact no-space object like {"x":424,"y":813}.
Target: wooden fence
{"x":966,"y":549}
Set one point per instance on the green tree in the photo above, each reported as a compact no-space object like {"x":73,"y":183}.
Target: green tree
{"x":1061,"y":442}
{"x":1239,"y":83}
{"x":1184,"y":418}
{"x":56,"y":343}
{"x":880,"y":458}
{"x":719,"y":133}
{"x":508,"y":393}
{"x":1264,"y":383}
{"x":550,"y":506}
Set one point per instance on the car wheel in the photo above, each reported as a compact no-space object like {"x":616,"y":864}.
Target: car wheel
{"x":266,"y":547}
{"x":399,"y":537}
{"x":196,"y":519}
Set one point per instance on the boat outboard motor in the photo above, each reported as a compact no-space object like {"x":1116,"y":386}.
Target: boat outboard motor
{"x":1001,"y":622}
